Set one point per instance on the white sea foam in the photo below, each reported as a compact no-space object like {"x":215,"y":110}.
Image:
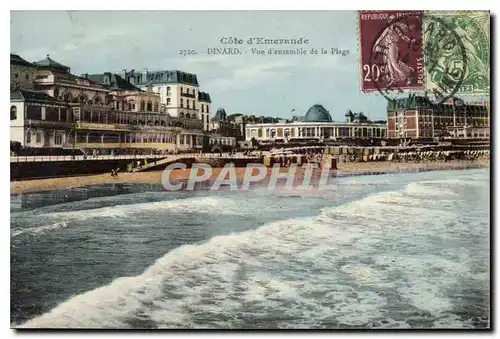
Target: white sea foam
{"x":37,"y":229}
{"x":312,"y":272}
{"x":64,"y":219}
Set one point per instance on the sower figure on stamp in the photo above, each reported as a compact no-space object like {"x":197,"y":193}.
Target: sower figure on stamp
{"x":388,"y":45}
{"x":474,"y":62}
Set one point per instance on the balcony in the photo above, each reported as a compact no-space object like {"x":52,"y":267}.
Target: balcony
{"x":188,"y":95}
{"x":125,"y":127}
{"x":48,"y":123}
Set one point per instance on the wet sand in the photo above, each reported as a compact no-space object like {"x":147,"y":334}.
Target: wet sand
{"x":154,"y":177}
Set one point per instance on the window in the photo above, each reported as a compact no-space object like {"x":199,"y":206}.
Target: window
{"x":143,"y":105}
{"x":67,"y":97}
{"x":202,"y":108}
{"x":168,"y":90}
{"x":188,"y":103}
{"x":181,"y":89}
{"x":27,"y":77}
{"x":16,"y":75}
{"x":169,"y":101}
{"x":156,"y":107}
{"x":182,"y":102}
{"x":58,"y":139}
{"x":28,"y":137}
{"x":207,"y":109}
{"x":38,"y":137}
{"x":83,"y":99}
{"x":13,"y":113}
{"x":150,"y":106}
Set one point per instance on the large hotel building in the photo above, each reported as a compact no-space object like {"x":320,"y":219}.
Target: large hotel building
{"x":179,"y":92}
{"x":160,"y":111}
{"x":416,"y":117}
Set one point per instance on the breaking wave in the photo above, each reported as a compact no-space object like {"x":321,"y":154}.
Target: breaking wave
{"x":377,"y":262}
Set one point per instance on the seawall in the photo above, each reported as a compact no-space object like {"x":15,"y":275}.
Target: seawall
{"x":57,"y":169}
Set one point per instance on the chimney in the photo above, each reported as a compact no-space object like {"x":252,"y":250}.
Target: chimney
{"x":124,"y":74}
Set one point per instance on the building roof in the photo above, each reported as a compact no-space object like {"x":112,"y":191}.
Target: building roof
{"x":21,"y":94}
{"x":360,"y":116}
{"x":317,"y":113}
{"x":202,"y":96}
{"x":111,"y":81}
{"x":17,"y":60}
{"x":68,"y":78}
{"x":162,"y":77}
{"x":220,"y":115}
{"x":49,"y":63}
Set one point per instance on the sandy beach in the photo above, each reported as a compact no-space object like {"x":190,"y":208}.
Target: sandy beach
{"x":39,"y":185}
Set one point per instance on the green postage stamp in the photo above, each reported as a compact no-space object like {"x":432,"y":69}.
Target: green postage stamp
{"x":458,"y":51}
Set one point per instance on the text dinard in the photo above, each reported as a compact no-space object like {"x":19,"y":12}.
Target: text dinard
{"x":263,"y":41}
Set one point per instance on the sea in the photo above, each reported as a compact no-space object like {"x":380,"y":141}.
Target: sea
{"x":394,"y":251}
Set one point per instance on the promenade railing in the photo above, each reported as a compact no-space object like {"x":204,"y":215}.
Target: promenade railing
{"x":44,"y":158}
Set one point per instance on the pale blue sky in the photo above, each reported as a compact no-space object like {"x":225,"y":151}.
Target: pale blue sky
{"x":98,"y":41}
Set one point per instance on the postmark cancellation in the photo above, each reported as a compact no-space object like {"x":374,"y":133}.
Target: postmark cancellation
{"x":470,"y":56}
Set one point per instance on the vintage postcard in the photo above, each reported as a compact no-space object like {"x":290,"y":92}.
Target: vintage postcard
{"x":250,"y":170}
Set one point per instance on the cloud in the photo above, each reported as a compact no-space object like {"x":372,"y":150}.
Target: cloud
{"x":248,"y":75}
{"x":333,"y":62}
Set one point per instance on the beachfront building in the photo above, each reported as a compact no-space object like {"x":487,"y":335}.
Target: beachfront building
{"x":105,"y":112}
{"x":205,"y":110}
{"x":223,"y":131}
{"x":179,"y":92}
{"x":221,"y":141}
{"x":22,"y":72}
{"x":416,"y":117}
{"x":317,"y":125}
{"x":220,"y":124}
{"x":38,"y":120}
{"x":125,"y":96}
{"x":56,"y":80}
